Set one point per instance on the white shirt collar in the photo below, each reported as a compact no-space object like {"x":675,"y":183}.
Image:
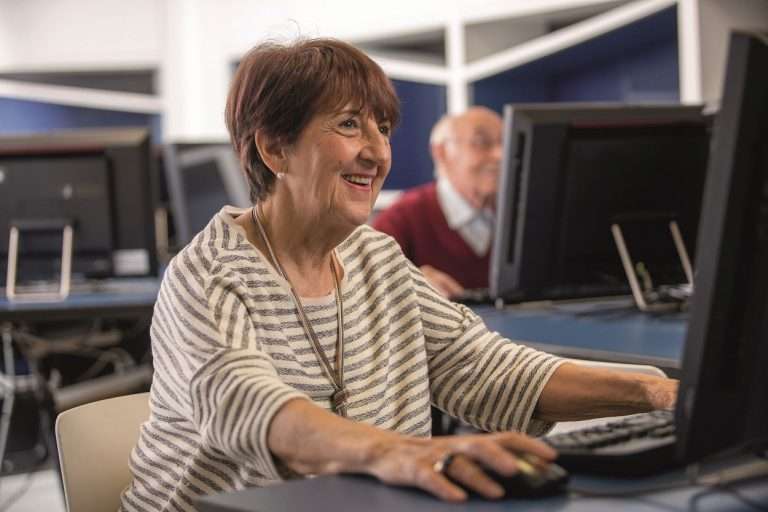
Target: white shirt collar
{"x":456,"y":209}
{"x":473,"y":225}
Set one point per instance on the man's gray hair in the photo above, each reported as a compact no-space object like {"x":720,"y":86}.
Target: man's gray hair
{"x":441,"y":132}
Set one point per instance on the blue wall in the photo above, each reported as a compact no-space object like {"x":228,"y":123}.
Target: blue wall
{"x":636,"y":63}
{"x":421,"y":106}
{"x":21,"y":116}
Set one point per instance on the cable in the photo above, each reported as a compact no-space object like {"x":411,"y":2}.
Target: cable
{"x":9,"y":393}
{"x":692,"y":480}
{"x":48,"y":444}
{"x":628,"y":493}
{"x":747,"y":501}
{"x":723,"y":488}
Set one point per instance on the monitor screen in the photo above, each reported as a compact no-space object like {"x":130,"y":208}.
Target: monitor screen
{"x":99,"y":182}
{"x":639,"y":177}
{"x":67,"y":187}
{"x":723,"y":400}
{"x":572,"y":171}
{"x":201,"y":179}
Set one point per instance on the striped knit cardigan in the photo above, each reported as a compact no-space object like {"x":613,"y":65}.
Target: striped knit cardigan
{"x":229,"y":351}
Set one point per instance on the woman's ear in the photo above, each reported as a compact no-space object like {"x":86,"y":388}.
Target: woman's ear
{"x":271,"y":151}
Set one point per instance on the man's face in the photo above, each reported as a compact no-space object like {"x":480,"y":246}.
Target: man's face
{"x":472,"y":156}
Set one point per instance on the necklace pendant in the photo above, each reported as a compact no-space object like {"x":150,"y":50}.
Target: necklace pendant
{"x":339,"y":401}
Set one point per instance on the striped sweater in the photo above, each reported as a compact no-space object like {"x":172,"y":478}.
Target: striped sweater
{"x":229,"y":351}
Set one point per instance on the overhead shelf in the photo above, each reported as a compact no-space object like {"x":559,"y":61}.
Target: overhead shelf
{"x":81,"y":97}
{"x":637,"y":62}
{"x":564,"y":38}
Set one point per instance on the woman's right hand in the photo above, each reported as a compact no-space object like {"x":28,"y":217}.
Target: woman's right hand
{"x":408,"y":461}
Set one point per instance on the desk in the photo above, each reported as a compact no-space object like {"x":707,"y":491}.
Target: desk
{"x":352,"y":493}
{"x":576,"y":330}
{"x":133,"y":298}
{"x":624,"y":336}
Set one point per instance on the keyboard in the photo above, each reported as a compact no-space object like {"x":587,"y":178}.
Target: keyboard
{"x":636,"y":445}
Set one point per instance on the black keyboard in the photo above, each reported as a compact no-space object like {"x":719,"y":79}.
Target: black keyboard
{"x":637,"y":445}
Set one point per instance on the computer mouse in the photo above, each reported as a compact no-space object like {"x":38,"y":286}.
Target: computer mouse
{"x":533,"y":479}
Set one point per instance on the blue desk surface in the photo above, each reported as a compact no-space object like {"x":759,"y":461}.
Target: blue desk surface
{"x":569,"y":330}
{"x":122,"y":298}
{"x":579,"y":330}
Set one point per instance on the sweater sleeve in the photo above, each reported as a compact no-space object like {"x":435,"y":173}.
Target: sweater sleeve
{"x":395,"y":221}
{"x":234,"y":390}
{"x":477,"y":375}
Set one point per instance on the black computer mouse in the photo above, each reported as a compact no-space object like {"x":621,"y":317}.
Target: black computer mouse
{"x":533,"y":480}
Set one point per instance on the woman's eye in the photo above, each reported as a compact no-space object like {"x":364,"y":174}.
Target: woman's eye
{"x":385,"y":130}
{"x":349,"y":124}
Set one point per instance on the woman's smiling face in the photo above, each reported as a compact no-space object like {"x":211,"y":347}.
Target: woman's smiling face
{"x":337,"y":167}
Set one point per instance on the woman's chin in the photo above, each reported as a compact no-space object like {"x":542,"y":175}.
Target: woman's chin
{"x":356,"y":217}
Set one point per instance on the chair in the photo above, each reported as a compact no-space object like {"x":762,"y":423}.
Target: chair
{"x":567,"y":426}
{"x":95,"y":441}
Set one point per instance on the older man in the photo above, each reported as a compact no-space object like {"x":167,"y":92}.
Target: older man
{"x":445,"y":227}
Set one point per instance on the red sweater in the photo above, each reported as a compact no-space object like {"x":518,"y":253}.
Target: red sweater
{"x":417,"y":222}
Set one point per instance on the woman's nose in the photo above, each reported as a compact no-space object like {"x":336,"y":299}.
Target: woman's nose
{"x":376,"y":148}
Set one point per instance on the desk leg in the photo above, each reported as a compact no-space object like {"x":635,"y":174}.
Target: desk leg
{"x":7,"y":383}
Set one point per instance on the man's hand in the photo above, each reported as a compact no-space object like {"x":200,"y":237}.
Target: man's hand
{"x":442,"y":282}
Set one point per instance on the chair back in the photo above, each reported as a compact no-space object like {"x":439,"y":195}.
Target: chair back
{"x":95,"y":442}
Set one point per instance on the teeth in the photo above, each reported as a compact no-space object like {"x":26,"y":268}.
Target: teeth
{"x":359,"y":180}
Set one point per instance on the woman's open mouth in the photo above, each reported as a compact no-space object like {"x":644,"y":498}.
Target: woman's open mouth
{"x":358,"y":180}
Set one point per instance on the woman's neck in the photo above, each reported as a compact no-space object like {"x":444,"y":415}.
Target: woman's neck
{"x":303,"y":246}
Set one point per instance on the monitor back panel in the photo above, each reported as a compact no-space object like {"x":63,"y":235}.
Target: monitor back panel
{"x":570,"y":172}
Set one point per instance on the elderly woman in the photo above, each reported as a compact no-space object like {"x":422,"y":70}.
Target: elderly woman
{"x":290,"y":339}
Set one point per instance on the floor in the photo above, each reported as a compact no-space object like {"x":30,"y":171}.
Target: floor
{"x":32,"y":492}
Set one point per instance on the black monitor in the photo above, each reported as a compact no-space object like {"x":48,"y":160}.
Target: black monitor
{"x":201,"y":177}
{"x":97,"y":181}
{"x":571,"y":171}
{"x":723,"y":399}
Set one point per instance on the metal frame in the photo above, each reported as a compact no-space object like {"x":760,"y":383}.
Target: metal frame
{"x":66,"y":269}
{"x":178,"y":159}
{"x":629,"y":267}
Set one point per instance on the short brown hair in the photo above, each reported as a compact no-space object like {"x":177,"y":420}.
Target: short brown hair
{"x":279,"y":88}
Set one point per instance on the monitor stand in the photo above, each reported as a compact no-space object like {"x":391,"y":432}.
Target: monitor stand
{"x":47,"y":294}
{"x":664,"y":298}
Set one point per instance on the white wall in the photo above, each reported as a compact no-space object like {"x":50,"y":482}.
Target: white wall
{"x":203,"y":38}
{"x":718,"y":18}
{"x":79,"y":34}
{"x":194,"y":42}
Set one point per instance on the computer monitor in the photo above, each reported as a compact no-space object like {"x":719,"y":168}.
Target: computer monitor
{"x":201,"y":179}
{"x":571,"y":171}
{"x":97,"y":181}
{"x":723,"y":397}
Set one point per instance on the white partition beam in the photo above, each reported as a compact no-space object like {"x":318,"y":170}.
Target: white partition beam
{"x":81,"y":97}
{"x":412,"y":71}
{"x":473,"y":11}
{"x":564,"y":38}
{"x":689,"y":51}
{"x":458,"y":91}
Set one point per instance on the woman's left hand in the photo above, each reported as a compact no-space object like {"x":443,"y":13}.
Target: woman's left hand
{"x":662,"y":392}
{"x":580,"y":392}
